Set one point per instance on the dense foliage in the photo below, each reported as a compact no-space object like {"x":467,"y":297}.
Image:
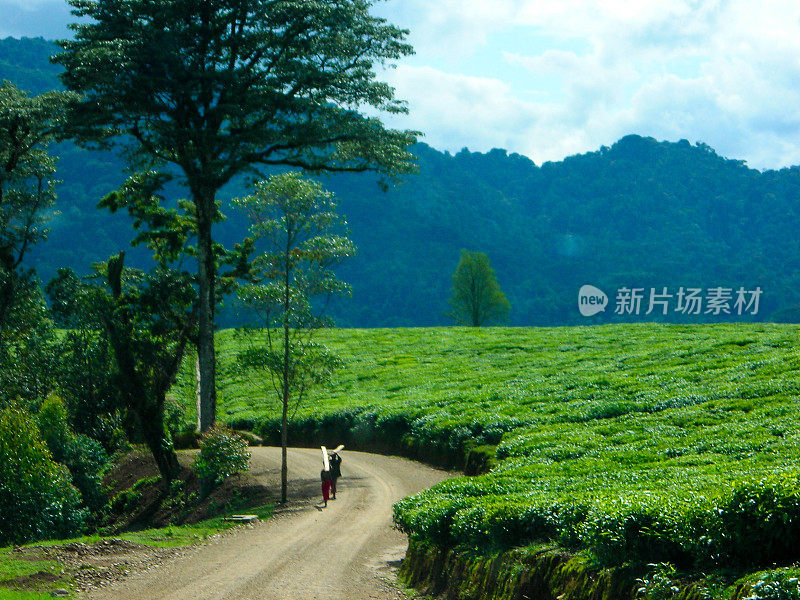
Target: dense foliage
{"x":27,"y":126}
{"x":37,"y":500}
{"x":27,"y":365}
{"x":39,"y":465}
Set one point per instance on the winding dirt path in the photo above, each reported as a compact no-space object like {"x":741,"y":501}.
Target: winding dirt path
{"x":346,"y":551}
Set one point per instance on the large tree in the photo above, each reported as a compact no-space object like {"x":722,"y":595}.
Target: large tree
{"x":301,"y":238}
{"x":223,"y":87}
{"x":27,"y":191}
{"x":477,"y":297}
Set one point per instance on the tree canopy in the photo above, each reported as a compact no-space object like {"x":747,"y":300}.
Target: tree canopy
{"x":27,"y":186}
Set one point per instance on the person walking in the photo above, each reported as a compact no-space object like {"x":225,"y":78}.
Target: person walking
{"x":336,"y":471}
{"x":326,"y":486}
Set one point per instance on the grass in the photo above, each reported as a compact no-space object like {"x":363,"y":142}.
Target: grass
{"x":13,"y":570}
{"x":185,"y":535}
{"x":24,"y":595}
{"x":620,"y":439}
{"x":172,"y":535}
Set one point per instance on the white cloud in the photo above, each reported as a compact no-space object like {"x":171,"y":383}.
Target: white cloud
{"x":482,"y":113}
{"x":470,"y":108}
{"x":723,"y":72}
{"x":450,"y":29}
{"x":552,"y":78}
{"x":34,"y":18}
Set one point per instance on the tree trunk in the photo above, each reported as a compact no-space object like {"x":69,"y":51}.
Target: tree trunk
{"x":206,"y":284}
{"x":197,"y":392}
{"x":285,"y":415}
{"x":157,"y":439}
{"x":6,"y":300}
{"x":284,"y":444}
{"x":286,"y":358}
{"x":6,"y":282}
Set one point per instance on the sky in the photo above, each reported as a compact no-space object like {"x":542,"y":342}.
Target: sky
{"x":553,"y":78}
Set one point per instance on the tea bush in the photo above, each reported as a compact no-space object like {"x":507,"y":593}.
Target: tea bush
{"x":637,"y":443}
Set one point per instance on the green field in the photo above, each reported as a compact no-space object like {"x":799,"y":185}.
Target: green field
{"x":635,"y":443}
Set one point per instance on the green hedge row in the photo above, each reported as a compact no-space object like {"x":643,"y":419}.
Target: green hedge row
{"x":757,"y":524}
{"x":430,"y":438}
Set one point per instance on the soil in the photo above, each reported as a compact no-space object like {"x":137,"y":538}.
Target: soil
{"x":347,"y":550}
{"x":26,"y":582}
{"x":156,"y":508}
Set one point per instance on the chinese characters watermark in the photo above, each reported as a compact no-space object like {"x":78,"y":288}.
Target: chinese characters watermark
{"x":712,"y":301}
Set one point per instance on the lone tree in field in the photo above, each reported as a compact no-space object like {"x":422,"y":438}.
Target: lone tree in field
{"x":477,"y":298}
{"x":294,"y":220}
{"x":219,"y":88}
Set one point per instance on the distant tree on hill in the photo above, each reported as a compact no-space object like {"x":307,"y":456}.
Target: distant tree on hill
{"x":477,"y":298}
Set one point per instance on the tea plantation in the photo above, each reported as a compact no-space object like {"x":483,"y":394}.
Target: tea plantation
{"x":636,"y":444}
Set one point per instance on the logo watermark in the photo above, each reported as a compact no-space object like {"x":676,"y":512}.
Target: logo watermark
{"x":591,"y":300}
{"x":712,"y":301}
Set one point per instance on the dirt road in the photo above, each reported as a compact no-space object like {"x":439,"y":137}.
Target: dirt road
{"x":346,"y":551}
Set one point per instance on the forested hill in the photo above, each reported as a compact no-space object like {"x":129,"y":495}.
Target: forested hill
{"x":639,"y":214}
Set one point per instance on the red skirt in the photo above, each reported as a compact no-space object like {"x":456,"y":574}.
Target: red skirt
{"x":326,"y":490}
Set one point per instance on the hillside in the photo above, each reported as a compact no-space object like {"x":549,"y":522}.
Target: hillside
{"x":640,"y":213}
{"x":635,"y":444}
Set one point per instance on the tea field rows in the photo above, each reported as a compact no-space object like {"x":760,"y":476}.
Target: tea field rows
{"x":635,"y":443}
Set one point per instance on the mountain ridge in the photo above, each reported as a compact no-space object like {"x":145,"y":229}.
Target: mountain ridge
{"x":640,"y":213}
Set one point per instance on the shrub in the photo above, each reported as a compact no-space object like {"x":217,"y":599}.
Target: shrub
{"x":775,"y":586}
{"x":37,"y":500}
{"x":223,"y":452}
{"x":84,"y":457}
{"x":659,"y":584}
{"x":26,"y":355}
